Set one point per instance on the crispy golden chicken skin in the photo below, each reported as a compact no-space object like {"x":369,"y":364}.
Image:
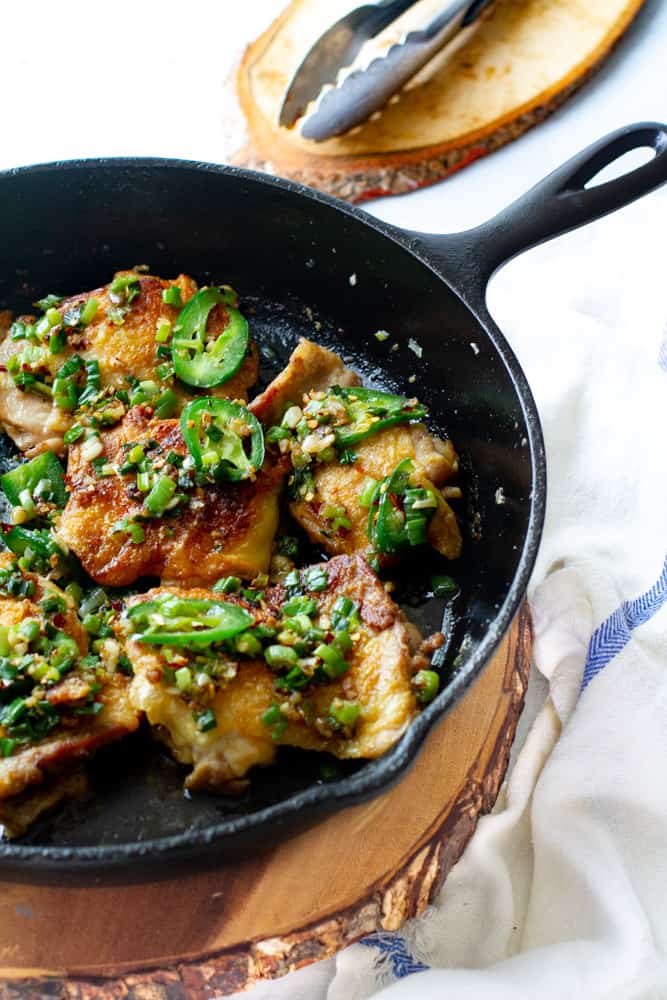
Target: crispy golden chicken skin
{"x":382,"y":662}
{"x":125,"y":346}
{"x":85,"y":709}
{"x":220,"y":530}
{"x":309,"y":367}
{"x":314,"y":369}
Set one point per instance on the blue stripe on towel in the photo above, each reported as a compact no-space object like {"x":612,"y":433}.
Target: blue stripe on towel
{"x":662,"y":356}
{"x":394,"y":948}
{"x":615,"y":633}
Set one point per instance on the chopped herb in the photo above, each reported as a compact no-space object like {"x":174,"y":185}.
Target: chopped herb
{"x":48,"y":302}
{"x":172,"y":296}
{"x":205,"y":720}
{"x":426,"y":684}
{"x":343,"y":714}
{"x":443,"y":586}
{"x":316,"y":578}
{"x":275,"y":721}
{"x":75,"y":432}
{"x":227,"y":585}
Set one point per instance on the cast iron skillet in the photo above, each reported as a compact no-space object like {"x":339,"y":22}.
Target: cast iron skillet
{"x":307,"y":264}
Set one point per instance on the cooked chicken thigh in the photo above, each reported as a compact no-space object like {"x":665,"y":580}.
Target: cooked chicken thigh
{"x":336,"y":486}
{"x":56,"y":707}
{"x":217,"y":530}
{"x":123,"y":342}
{"x":381,"y":663}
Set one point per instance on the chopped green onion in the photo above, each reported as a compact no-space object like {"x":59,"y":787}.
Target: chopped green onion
{"x":183,"y":678}
{"x":75,"y":432}
{"x":166,"y":404}
{"x":18,"y":330}
{"x":344,"y":713}
{"x":300,"y":606}
{"x":102,"y":468}
{"x":279,"y":657}
{"x":92,"y":623}
{"x":160,"y":496}
{"x":144,"y":392}
{"x":316,"y":578}
{"x":29,"y":629}
{"x":172,"y":296}
{"x":333,"y":663}
{"x":58,"y":341}
{"x":125,"y":287}
{"x":74,"y":590}
{"x":48,"y":302}
{"x":368,"y":491}
{"x":164,"y":371}
{"x":89,"y":311}
{"x":124,"y":666}
{"x":227,"y":585}
{"x":93,"y":600}
{"x":443,"y":586}
{"x":248,"y":644}
{"x":163,"y":332}
{"x":131,"y":528}
{"x":53,"y":316}
{"x":7,"y":747}
{"x":426,"y":684}
{"x":275,"y":434}
{"x":206,"y":720}
{"x":275,"y":721}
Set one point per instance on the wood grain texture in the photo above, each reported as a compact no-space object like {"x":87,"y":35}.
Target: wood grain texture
{"x":370,"y":867}
{"x":520,"y":64}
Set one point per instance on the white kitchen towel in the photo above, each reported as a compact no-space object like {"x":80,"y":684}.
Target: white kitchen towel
{"x":561,"y":891}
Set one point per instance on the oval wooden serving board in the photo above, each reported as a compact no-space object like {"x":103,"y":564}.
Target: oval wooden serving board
{"x":499,"y":78}
{"x":367,"y":868}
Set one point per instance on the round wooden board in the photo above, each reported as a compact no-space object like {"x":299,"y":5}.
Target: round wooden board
{"x":522,"y":61}
{"x":369,"y":867}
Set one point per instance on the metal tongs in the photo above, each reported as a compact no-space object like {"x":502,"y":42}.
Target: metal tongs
{"x":344,"y":101}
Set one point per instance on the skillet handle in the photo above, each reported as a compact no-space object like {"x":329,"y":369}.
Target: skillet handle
{"x":556,"y":205}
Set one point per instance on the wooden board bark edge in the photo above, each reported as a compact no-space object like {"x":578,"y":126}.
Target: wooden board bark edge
{"x":361,"y":178}
{"x":386,"y":905}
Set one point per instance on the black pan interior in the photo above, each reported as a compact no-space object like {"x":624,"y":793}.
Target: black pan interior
{"x":303,"y":267}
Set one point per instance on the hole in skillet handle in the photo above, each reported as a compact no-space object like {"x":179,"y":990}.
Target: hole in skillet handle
{"x":630,"y":161}
{"x":563,"y":201}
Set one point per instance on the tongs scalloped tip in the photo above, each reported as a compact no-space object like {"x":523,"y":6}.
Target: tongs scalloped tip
{"x":326,"y":102}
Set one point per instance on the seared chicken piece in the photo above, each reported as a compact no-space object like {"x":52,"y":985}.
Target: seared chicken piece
{"x":382,"y":661}
{"x":19,"y":813}
{"x":309,"y":367}
{"x":312,"y":369}
{"x":340,"y":486}
{"x":218,"y":530}
{"x":49,"y":726}
{"x":124,"y":346}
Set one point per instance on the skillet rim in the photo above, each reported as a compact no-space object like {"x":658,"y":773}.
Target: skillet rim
{"x":389,"y":768}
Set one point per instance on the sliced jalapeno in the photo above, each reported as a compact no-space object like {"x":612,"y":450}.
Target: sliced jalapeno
{"x":370,"y":411}
{"x":42,"y":478}
{"x":399,"y":513}
{"x":206,"y":363}
{"x":225,"y":440}
{"x":38,"y":550}
{"x":187,"y":623}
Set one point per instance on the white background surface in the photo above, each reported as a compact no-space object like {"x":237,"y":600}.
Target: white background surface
{"x":83,"y":79}
{"x":124,"y":78}
{"x":585,"y":315}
